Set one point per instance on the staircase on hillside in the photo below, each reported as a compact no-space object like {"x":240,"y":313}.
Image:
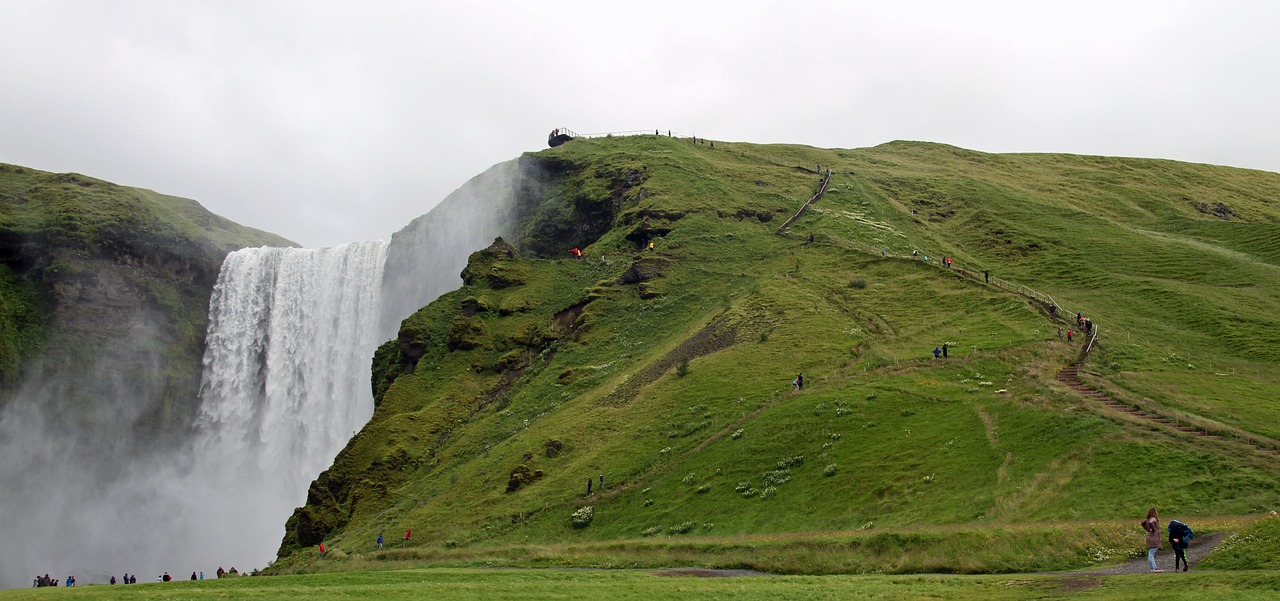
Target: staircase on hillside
{"x":1070,"y":375}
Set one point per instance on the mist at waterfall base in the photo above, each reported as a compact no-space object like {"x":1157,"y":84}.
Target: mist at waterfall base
{"x":286,"y":383}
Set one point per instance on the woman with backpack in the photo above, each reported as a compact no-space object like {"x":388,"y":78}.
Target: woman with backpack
{"x":1152,"y":526}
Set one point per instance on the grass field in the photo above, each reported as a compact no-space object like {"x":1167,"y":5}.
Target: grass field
{"x":497,"y":584}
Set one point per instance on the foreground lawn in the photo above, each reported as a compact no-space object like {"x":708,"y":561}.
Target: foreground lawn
{"x":444,"y":584}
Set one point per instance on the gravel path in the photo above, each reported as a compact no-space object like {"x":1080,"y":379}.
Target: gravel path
{"x":1200,"y":546}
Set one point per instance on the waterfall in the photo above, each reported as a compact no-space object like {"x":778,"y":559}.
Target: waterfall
{"x":285,"y":385}
{"x":286,"y":375}
{"x":286,"y":363}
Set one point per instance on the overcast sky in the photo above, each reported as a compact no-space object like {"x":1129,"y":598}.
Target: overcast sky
{"x":330,"y":122}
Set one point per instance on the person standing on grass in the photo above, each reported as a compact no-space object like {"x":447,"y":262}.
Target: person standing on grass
{"x":1059,"y":333}
{"x":1069,"y":334}
{"x":937,"y":352}
{"x":379,"y":541}
{"x":1152,"y":526}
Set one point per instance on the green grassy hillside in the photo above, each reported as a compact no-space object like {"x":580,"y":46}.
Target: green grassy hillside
{"x":104,"y":293}
{"x":669,"y":371}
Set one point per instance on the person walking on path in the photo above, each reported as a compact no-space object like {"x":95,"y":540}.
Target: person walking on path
{"x":1152,"y":526}
{"x":379,"y":541}
{"x":588,"y":486}
{"x":944,"y":350}
{"x":601,"y":487}
{"x":1179,"y":539}
{"x":800,"y":382}
{"x":1059,"y":333}
{"x":937,"y":352}
{"x":1069,"y":333}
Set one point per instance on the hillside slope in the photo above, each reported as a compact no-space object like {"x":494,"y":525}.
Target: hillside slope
{"x":106,"y":294}
{"x":667,"y":370}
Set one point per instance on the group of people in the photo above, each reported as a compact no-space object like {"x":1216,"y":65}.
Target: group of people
{"x":601,"y":489}
{"x":45,"y":580}
{"x":1179,"y":539}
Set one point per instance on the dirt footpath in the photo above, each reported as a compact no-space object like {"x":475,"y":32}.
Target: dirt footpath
{"x":1200,"y":546}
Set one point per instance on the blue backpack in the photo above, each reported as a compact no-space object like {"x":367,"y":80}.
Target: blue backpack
{"x":1179,"y":530}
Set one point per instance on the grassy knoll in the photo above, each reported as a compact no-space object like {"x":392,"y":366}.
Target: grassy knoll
{"x":668,"y":371}
{"x":636,"y":584}
{"x":1256,"y":547}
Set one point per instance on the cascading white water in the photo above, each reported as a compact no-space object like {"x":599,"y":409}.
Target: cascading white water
{"x":286,"y":383}
{"x":286,"y":364}
{"x":286,"y":374}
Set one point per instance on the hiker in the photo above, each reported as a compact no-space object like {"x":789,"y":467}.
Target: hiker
{"x":589,"y":486}
{"x":1179,"y":538}
{"x":810,"y":237}
{"x":221,"y":572}
{"x":1059,"y":333}
{"x":947,"y":261}
{"x":937,"y":352}
{"x":193,"y":576}
{"x":1088,"y":326}
{"x":1152,"y":526}
{"x":651,"y":246}
{"x":113,"y":581}
{"x":986,"y":276}
{"x":408,"y":534}
{"x":379,"y":541}
{"x":202,"y":574}
{"x":166,"y":577}
{"x":800,"y":382}
{"x":915,"y":253}
{"x":601,"y":487}
{"x":1069,"y":333}
{"x":1053,"y":310}
{"x":944,"y":350}
{"x":321,"y":549}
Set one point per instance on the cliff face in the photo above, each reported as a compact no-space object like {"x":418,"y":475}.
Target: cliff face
{"x":107,"y":291}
